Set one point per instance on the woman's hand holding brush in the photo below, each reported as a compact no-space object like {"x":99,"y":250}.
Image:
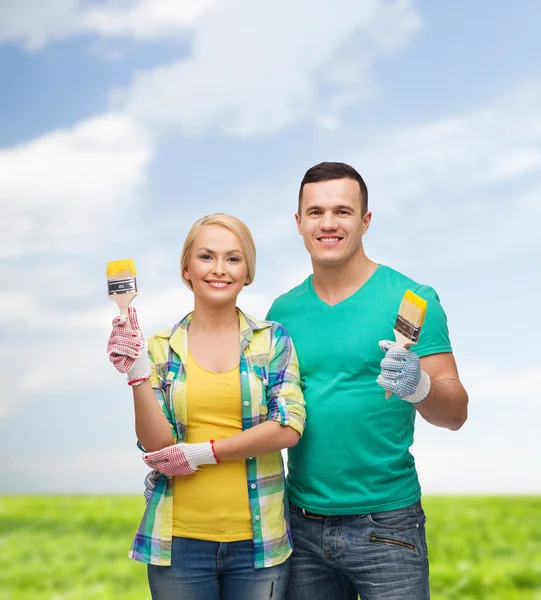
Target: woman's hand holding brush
{"x":127,"y":348}
{"x":402,"y":375}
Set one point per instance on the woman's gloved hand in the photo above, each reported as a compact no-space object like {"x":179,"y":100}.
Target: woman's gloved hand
{"x":128,"y":350}
{"x":181,"y":459}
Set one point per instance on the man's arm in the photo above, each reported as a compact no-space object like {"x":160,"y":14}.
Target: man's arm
{"x":447,"y":402}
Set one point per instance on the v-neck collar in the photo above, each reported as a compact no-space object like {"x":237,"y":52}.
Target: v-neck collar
{"x":357,"y":292}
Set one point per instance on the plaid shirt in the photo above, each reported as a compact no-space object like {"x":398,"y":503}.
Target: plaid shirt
{"x":270,"y":391}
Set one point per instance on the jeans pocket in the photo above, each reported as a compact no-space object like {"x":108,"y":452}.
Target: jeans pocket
{"x":400,"y":519}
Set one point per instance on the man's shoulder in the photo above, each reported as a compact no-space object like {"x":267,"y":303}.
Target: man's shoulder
{"x":292,"y":296}
{"x":401,"y":282}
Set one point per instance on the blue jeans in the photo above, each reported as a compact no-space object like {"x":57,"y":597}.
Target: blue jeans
{"x":380,"y":556}
{"x":202,"y":570}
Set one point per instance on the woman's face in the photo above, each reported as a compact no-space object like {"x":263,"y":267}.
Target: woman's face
{"x":216,"y":267}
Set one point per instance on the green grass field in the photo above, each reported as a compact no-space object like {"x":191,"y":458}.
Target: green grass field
{"x":75,"y":548}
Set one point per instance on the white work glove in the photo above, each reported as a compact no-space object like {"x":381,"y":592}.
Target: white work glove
{"x":402,"y":375}
{"x":150,"y":483}
{"x":181,"y":459}
{"x":128,"y":350}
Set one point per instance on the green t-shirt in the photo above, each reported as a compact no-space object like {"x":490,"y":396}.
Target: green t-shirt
{"x":354,"y":455}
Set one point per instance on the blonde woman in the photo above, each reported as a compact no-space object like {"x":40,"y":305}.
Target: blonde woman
{"x":216,"y":397}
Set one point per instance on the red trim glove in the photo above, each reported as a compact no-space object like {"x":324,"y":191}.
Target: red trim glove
{"x":128,"y":350}
{"x":181,"y":459}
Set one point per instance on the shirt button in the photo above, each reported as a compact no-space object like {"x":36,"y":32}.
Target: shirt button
{"x":257,"y":517}
{"x":265,"y":382}
{"x":246,"y":403}
{"x":244,"y":373}
{"x":253,"y":486}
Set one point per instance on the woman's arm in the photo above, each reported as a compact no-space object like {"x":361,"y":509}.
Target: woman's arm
{"x":152,"y":428}
{"x":283,"y":428}
{"x":261,"y":439}
{"x":127,"y":350}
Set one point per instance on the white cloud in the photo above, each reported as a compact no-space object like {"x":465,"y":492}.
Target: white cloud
{"x":510,"y":230}
{"x":34,"y":23}
{"x":256,"y":67}
{"x":498,"y":449}
{"x":62,"y":191}
{"x":253,"y":67}
{"x":492,"y":145}
{"x":81,"y":471}
{"x":144,"y":19}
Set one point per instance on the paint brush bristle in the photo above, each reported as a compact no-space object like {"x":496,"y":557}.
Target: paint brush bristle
{"x":411,"y":316}
{"x":410,"y":319}
{"x":121,"y":283}
{"x":118,"y":267}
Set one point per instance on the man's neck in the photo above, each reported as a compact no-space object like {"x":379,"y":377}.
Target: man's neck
{"x":334,"y":283}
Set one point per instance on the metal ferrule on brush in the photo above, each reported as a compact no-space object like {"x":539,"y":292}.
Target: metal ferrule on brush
{"x":122,"y":286}
{"x":407,"y":329}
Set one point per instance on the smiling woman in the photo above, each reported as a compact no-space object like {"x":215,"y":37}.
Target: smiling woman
{"x":216,"y":398}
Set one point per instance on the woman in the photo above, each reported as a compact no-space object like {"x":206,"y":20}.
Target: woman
{"x":229,"y":399}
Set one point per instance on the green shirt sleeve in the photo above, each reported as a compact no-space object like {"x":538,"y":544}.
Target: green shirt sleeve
{"x":434,"y":338}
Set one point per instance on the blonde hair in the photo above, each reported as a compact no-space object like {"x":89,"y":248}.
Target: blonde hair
{"x":236,"y":227}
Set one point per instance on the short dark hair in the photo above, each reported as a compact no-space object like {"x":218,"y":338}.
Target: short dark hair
{"x":327,"y":171}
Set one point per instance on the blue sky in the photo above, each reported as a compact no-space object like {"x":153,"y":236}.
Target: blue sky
{"x":121,"y":122}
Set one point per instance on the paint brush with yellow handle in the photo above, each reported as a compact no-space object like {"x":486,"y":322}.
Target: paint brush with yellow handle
{"x":122,"y":285}
{"x":410,"y":319}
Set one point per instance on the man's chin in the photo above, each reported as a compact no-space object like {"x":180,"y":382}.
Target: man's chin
{"x":329,"y":260}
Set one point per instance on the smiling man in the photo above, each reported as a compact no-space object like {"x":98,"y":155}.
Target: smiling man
{"x":355,"y":498}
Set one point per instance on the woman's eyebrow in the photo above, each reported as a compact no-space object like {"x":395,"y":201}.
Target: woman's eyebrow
{"x":234,"y":251}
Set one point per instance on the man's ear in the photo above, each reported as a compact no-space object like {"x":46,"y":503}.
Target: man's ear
{"x":298,"y":221}
{"x":367,"y":219}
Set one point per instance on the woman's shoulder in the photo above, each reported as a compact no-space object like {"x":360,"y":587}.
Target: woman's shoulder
{"x":268,"y":330}
{"x":273,"y":327}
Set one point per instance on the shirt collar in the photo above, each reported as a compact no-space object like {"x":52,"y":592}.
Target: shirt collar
{"x":178,"y":338}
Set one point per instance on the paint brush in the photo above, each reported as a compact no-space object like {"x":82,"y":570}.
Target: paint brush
{"x":121,"y":284}
{"x":410,"y":319}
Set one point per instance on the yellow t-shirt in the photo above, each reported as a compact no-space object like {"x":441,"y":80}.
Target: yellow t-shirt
{"x":212,"y":504}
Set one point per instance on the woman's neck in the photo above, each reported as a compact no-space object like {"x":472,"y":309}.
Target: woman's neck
{"x":214,"y":318}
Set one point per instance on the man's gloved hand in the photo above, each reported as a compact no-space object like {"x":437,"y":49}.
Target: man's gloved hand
{"x":402,"y":375}
{"x":127,"y":349}
{"x":181,"y":459}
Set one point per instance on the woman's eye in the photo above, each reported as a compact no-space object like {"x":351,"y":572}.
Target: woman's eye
{"x":235,"y":259}
{"x":204,"y":256}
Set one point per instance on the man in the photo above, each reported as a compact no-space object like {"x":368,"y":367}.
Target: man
{"x":357,"y":519}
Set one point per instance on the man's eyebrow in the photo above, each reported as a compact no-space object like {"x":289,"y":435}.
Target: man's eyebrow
{"x":338,"y":207}
{"x":235,"y":251}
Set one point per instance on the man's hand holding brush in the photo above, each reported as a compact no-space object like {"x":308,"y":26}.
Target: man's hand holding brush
{"x":401,"y":373}
{"x":127,"y":348}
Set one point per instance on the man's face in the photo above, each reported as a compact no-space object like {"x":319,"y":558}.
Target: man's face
{"x":330,"y":221}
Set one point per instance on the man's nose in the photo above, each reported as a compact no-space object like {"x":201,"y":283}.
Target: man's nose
{"x":328,"y":221}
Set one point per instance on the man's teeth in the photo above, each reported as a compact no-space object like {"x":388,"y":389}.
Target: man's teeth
{"x":333,"y":239}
